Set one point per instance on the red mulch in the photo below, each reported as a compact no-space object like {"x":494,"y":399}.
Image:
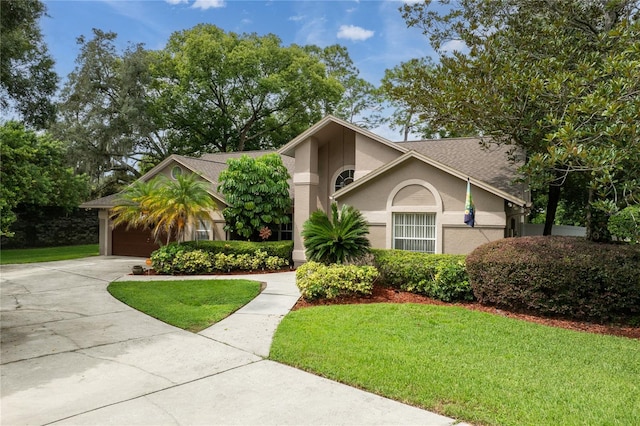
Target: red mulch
{"x":389,"y":295}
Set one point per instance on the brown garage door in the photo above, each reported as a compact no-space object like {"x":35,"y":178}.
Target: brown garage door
{"x":132,"y":242}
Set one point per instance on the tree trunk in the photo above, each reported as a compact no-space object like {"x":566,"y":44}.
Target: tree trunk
{"x":552,"y":207}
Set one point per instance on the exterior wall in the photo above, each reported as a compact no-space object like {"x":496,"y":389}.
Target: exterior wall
{"x":306,"y":182}
{"x":370,"y":155}
{"x":416,"y":187}
{"x":463,"y":240}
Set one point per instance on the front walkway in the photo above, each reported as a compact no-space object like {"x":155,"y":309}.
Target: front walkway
{"x":72,"y":354}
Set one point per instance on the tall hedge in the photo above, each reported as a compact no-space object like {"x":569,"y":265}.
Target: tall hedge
{"x":558,"y":276}
{"x":441,"y":276}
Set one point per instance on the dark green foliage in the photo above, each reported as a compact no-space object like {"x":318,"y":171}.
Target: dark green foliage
{"x":51,"y":227}
{"x":626,"y":224}
{"x":441,"y":276}
{"x":27,"y":77}
{"x":281,"y":249}
{"x":33,"y":172}
{"x":337,"y":239}
{"x":558,"y":276}
{"x":256,"y":191}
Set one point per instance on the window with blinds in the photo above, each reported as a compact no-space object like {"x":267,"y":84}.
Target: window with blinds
{"x":414,"y":232}
{"x":204,"y":230}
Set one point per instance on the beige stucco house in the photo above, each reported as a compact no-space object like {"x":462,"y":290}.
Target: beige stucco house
{"x":411,"y":193}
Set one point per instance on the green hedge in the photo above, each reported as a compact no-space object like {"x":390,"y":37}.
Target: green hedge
{"x":282,"y":249}
{"x":558,"y":276}
{"x":441,"y":276}
{"x":204,"y":257}
{"x":319,"y":281}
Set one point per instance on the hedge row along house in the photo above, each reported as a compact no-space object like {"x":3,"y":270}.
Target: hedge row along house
{"x":412,"y":194}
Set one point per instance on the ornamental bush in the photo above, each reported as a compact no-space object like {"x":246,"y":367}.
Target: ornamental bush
{"x":558,"y":276}
{"x":626,"y":224}
{"x":440,"y":276}
{"x":319,"y":281}
{"x":282,"y":249}
{"x":185,"y":259}
{"x":192,"y":262}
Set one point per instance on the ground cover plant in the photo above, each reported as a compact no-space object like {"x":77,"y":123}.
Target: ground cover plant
{"x":192,"y":305}
{"x":47,"y":254}
{"x":473,"y":366}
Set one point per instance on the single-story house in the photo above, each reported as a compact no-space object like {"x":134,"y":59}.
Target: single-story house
{"x":412,"y":194}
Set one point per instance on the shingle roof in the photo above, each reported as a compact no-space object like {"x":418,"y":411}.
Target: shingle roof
{"x":467,"y":155}
{"x":209,"y":166}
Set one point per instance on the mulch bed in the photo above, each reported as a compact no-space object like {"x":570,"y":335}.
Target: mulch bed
{"x":389,"y":295}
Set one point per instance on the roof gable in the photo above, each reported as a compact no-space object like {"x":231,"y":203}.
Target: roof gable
{"x":447,"y":169}
{"x":290,"y":148}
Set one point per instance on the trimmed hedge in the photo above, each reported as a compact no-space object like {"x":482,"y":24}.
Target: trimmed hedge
{"x":319,"y":281}
{"x":440,"y":276}
{"x":282,"y":249}
{"x":193,"y":257}
{"x":558,"y":276}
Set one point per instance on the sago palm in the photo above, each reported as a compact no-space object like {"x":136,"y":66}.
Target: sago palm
{"x":337,"y":239}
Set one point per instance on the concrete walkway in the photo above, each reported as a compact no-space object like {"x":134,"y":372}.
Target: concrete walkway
{"x":72,"y":354}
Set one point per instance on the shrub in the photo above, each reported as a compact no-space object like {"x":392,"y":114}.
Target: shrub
{"x":441,"y":276}
{"x":319,"y":281}
{"x":626,"y":224}
{"x":558,"y":276}
{"x":337,"y":239}
{"x":162,"y":259}
{"x":184,"y":258}
{"x":192,"y":262}
{"x":282,"y":249}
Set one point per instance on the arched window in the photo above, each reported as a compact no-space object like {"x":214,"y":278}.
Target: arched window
{"x":344,"y":179}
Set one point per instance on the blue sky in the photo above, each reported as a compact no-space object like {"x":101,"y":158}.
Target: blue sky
{"x":373,"y":31}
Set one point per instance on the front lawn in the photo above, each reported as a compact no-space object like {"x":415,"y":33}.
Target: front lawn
{"x":47,"y":254}
{"x":473,"y":366}
{"x":192,"y":305}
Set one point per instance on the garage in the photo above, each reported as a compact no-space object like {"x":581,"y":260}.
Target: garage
{"x":132,"y":242}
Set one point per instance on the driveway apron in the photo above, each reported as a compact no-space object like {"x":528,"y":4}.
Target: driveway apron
{"x":72,"y":354}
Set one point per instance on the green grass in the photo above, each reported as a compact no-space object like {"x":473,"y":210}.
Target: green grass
{"x":473,"y":366}
{"x":192,"y":305}
{"x":47,"y":254}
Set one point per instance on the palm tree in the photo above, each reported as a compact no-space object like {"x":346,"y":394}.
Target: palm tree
{"x":180,"y":203}
{"x":132,"y":206}
{"x":166,"y":206}
{"x":336,"y":240}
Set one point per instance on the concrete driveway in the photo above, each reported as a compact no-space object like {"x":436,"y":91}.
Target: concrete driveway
{"x":72,"y":354}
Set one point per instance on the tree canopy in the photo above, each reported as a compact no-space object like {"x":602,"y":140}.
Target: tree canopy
{"x":226,"y":92}
{"x":257,"y":194}
{"x":33,"y":171}
{"x":27,"y":78}
{"x":554,"y":78}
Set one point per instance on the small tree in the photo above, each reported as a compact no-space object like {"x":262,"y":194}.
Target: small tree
{"x":167,"y":207}
{"x":337,"y":239}
{"x":257,"y":194}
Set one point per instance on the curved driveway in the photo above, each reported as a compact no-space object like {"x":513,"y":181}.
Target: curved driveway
{"x":72,"y":354}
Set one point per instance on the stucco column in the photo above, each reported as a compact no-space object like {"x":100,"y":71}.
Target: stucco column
{"x":104,"y":232}
{"x":305,"y":183}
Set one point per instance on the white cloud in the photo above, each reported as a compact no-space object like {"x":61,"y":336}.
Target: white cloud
{"x":454,"y":46}
{"x":176,"y":1}
{"x":351,"y":32}
{"x":296,"y":18}
{"x":208,"y":4}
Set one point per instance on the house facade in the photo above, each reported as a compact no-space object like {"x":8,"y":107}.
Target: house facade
{"x":412,"y":194}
